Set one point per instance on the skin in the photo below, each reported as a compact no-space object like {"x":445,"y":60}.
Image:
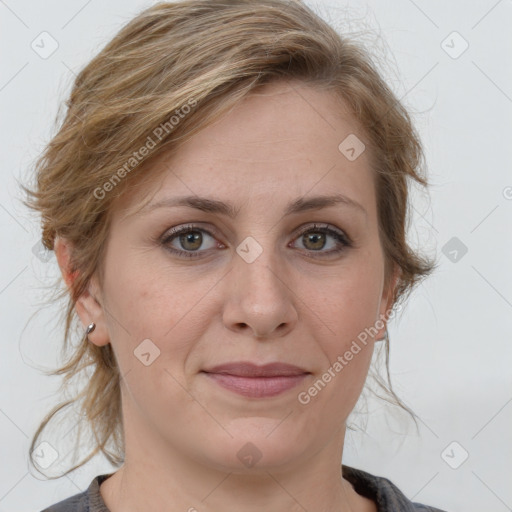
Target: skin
{"x":183,"y":431}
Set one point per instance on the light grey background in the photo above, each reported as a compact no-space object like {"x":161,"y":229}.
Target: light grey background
{"x":451,"y":349}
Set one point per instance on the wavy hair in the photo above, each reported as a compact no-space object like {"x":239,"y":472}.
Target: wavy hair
{"x":198,"y":58}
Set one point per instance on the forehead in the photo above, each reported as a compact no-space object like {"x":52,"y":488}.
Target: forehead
{"x":280,"y":142}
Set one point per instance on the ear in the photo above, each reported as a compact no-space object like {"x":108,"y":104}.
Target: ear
{"x":89,"y":305}
{"x":386,"y":302}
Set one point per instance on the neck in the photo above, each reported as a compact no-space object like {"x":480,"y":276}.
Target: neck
{"x":155,"y":477}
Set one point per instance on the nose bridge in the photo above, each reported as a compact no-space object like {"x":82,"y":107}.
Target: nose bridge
{"x":257,"y":262}
{"x":259,"y":296}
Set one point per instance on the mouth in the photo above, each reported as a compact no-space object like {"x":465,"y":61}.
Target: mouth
{"x":256,"y":381}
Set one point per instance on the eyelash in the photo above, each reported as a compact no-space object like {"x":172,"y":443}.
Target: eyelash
{"x":340,"y":237}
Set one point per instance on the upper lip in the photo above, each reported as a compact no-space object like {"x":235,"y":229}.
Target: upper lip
{"x":247,"y":369}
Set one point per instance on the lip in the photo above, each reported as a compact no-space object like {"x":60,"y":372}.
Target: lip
{"x":257,"y":381}
{"x":248,"y":369}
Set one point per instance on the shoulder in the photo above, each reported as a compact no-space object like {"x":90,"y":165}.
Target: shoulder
{"x":383,"y":492}
{"x":89,"y":500}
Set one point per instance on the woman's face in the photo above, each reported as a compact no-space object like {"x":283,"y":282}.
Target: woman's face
{"x":256,"y":281}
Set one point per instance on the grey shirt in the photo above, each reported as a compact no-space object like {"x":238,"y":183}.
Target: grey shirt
{"x":379,"y":489}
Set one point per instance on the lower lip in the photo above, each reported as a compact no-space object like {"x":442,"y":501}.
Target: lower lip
{"x":257,"y":387}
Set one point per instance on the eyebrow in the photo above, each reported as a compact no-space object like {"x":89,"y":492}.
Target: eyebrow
{"x":210,"y":205}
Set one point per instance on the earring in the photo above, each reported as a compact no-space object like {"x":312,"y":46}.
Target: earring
{"x":90,"y":328}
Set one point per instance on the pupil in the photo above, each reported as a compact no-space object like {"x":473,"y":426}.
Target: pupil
{"x":191,"y":237}
{"x":317,"y":240}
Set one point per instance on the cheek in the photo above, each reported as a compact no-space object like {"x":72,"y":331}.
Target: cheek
{"x":346,"y":303}
{"x":342,"y":312}
{"x":154,"y":325}
{"x":147,"y":302}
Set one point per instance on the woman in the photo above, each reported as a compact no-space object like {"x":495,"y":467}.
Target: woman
{"x":227,"y":201}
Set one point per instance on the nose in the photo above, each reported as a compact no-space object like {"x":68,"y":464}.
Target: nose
{"x":259,"y":296}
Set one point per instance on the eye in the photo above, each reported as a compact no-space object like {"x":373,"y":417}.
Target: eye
{"x":316,"y":238}
{"x":187,"y":240}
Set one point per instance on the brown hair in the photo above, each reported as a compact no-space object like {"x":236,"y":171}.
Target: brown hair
{"x":198,"y":58}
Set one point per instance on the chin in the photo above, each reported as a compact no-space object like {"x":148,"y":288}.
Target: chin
{"x":258,"y":445}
